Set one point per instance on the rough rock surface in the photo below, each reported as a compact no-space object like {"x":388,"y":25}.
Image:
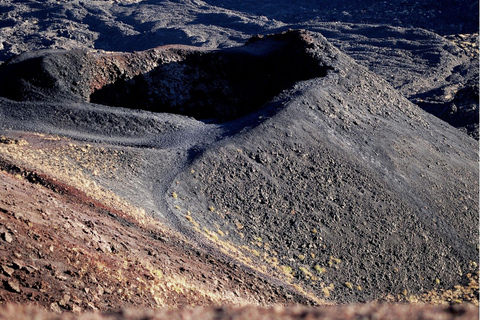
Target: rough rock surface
{"x":177,"y":79}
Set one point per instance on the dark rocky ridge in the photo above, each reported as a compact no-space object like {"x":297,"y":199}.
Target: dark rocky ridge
{"x":184,"y":80}
{"x":409,"y":58}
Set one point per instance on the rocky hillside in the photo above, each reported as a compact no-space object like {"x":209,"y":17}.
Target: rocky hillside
{"x":290,"y":160}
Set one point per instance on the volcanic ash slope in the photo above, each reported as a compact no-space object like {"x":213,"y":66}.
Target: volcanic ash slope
{"x":344,"y":187}
{"x":306,"y":168}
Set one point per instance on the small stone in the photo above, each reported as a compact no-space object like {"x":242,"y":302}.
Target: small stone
{"x":55,"y":307}
{"x":18,"y":264}
{"x":100,"y":290}
{"x":65,"y":299}
{"x":76,"y":309}
{"x":6,"y":236}
{"x":29,"y":269}
{"x":60,"y":276}
{"x":7,"y":271}
{"x":92,"y":306}
{"x":13,"y":285}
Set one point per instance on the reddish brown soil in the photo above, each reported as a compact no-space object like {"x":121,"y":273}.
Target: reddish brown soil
{"x":62,"y":252}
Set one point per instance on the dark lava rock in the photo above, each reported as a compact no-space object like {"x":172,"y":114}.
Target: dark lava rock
{"x":439,"y":74}
{"x":139,"y":25}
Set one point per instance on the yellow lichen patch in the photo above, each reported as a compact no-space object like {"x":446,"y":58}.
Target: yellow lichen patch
{"x":349,"y":285}
{"x":326,"y":289}
{"x":258,"y":244}
{"x":211,"y":234}
{"x":308,"y":274}
{"x":271,"y":260}
{"x":320,"y":269}
{"x":252,"y":251}
{"x":287,"y":270}
{"x":334,"y":262}
{"x":190,"y":218}
{"x":459,"y":294}
{"x":157,"y":273}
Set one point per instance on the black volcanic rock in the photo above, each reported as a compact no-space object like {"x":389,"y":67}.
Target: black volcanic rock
{"x":46,"y":75}
{"x":347,"y":183}
{"x":439,"y":74}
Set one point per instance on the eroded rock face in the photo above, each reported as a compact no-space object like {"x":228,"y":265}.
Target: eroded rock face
{"x":176,"y":79}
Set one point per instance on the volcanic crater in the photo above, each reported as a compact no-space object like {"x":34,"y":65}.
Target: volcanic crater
{"x":289,"y":167}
